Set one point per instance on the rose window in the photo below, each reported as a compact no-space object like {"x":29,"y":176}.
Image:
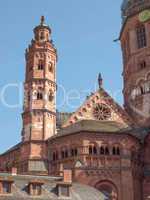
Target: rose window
{"x":102,"y":112}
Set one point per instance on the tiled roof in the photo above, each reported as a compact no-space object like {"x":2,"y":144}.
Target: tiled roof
{"x":49,"y":189}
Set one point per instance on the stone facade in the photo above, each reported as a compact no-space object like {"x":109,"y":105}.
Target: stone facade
{"x":100,"y":155}
{"x":135,"y":42}
{"x":104,"y":145}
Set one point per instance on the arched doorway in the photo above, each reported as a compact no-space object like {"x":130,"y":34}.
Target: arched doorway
{"x":108,"y":190}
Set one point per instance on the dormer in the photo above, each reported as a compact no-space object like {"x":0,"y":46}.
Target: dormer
{"x":64,"y":188}
{"x":35,"y":188}
{"x":6,"y":186}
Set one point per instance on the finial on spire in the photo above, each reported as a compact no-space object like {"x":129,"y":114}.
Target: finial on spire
{"x":100,"y":80}
{"x":42,"y":20}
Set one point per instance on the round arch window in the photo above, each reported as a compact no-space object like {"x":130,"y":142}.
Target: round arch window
{"x":50,"y":67}
{"x":101,"y":112}
{"x":108,"y":190}
{"x":51,"y":96}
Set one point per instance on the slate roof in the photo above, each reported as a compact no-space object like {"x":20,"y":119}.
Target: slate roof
{"x":49,"y":189}
{"x":110,"y":127}
{"x":139,"y":132}
{"x":17,"y":146}
{"x":92,"y":126}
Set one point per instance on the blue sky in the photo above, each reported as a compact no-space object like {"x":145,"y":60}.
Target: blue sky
{"x":83,"y":32}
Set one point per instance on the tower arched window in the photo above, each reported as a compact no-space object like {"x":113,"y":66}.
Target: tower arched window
{"x":54,"y":156}
{"x":50,"y":96}
{"x":141,"y":36}
{"x":57,"y":157}
{"x":116,"y":151}
{"x":143,"y":64}
{"x":141,"y":86}
{"x":106,"y":151}
{"x":66,"y":154}
{"x":40,"y":65}
{"x":50,"y":67}
{"x":42,"y":36}
{"x":90,"y":150}
{"x":28,"y":96}
{"x":74,"y":152}
{"x":94,"y":150}
{"x":102,"y":151}
{"x":142,"y":90}
{"x":62,"y":154}
{"x":39,"y":96}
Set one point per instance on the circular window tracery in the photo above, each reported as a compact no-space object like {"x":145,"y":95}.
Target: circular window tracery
{"x":102,"y":112}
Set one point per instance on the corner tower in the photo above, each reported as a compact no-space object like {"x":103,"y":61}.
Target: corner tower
{"x":39,"y":112}
{"x":135,"y":43}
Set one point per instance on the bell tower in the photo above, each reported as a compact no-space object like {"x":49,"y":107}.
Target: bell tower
{"x":39,"y":116}
{"x":39,"y":111}
{"x":135,"y":43}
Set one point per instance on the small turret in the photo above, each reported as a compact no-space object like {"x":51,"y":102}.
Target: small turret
{"x":42,"y":32}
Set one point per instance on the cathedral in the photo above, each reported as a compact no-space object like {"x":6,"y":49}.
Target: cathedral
{"x":101,"y":151}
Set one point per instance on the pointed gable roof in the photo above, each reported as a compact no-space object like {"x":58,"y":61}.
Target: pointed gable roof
{"x":100,"y":106}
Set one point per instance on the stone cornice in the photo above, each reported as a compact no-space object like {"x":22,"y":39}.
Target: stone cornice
{"x":39,"y":110}
{"x":40,"y":79}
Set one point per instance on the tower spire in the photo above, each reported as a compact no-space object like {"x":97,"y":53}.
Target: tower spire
{"x":100,"y":80}
{"x":42,"y":20}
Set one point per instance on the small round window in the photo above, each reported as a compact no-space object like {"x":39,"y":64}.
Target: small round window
{"x":101,"y":112}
